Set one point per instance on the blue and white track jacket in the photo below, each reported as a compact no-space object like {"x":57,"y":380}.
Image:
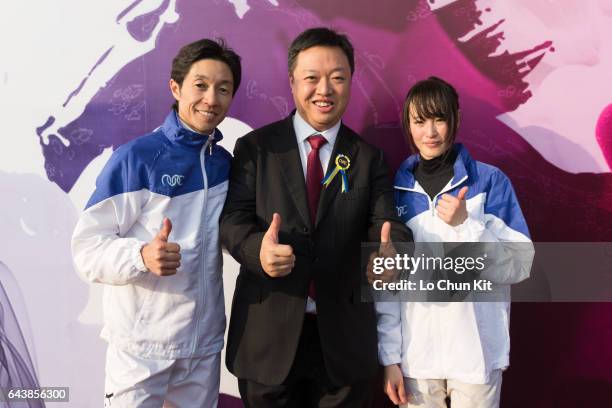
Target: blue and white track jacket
{"x":175,"y":173}
{"x":462,"y":341}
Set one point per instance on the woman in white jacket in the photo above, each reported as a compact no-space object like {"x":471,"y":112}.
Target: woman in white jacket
{"x":433,"y":351}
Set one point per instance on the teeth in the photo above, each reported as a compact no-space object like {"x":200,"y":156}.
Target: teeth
{"x":323,"y":104}
{"x":207,"y":114}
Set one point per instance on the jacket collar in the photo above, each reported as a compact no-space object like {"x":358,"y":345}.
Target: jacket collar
{"x":405,"y":175}
{"x":177,"y":133}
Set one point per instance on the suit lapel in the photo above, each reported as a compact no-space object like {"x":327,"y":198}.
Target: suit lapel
{"x":345,"y":144}
{"x":285,"y":149}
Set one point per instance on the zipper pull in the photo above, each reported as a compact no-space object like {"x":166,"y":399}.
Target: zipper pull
{"x":211,"y":137}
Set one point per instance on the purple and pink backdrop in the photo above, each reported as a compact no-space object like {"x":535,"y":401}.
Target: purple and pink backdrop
{"x":535,"y":97}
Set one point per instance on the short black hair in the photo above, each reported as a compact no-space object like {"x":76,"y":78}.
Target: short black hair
{"x":320,"y":36}
{"x":432,"y":98}
{"x":205,"y":49}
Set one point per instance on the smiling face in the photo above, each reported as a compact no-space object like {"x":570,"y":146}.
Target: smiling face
{"x":321,"y":85}
{"x":205,"y":95}
{"x":430,"y":135}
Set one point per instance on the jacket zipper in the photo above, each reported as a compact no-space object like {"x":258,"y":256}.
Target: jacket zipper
{"x":438,"y":364}
{"x":202,"y":278}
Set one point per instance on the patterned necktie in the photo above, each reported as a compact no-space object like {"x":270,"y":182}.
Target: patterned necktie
{"x":314,"y":175}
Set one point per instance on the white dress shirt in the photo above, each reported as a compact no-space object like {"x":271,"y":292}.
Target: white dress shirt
{"x":302,"y":131}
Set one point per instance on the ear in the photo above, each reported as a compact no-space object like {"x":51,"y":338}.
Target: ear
{"x":458,"y":117}
{"x":291,"y":79}
{"x":175,"y":88}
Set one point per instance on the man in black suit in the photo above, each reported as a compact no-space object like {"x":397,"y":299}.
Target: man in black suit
{"x":299,"y":333}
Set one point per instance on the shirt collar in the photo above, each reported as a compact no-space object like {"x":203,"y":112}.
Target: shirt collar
{"x":303,"y":130}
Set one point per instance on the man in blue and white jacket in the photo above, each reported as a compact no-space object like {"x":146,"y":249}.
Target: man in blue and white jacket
{"x":150,"y":234}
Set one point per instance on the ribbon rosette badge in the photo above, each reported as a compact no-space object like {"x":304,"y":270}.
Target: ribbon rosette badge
{"x":342,"y":165}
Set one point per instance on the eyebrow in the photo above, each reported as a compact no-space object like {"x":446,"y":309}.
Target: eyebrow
{"x":421,"y":118}
{"x":200,"y":76}
{"x":333,"y":70}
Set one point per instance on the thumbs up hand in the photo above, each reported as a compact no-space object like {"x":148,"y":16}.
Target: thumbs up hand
{"x":452,"y":210}
{"x":385,"y":250}
{"x":161,"y":257}
{"x":276,"y":259}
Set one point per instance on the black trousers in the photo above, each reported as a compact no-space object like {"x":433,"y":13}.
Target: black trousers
{"x":307,"y":385}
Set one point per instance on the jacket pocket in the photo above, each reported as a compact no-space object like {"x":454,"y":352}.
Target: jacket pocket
{"x":149,"y":285}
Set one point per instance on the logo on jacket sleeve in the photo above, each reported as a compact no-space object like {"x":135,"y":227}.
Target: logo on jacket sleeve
{"x":172,"y":181}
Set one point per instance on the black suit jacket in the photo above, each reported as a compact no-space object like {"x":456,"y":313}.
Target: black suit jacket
{"x":267,"y":313}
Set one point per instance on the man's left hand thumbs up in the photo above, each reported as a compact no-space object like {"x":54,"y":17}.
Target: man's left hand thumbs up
{"x":385,"y":250}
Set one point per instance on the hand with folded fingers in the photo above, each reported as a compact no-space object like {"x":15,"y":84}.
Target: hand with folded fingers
{"x":161,"y":257}
{"x":385,"y":250}
{"x":276,"y":259}
{"x":452,"y":210}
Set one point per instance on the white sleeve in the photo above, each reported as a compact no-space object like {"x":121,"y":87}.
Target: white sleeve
{"x":507,"y":262}
{"x":100,"y":250}
{"x":503,"y":233}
